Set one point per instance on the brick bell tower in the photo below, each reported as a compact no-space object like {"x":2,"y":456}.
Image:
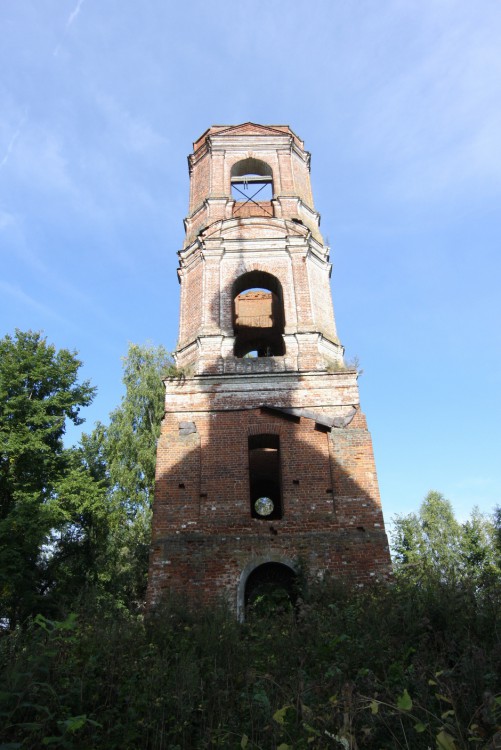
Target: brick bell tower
{"x":264,"y":465}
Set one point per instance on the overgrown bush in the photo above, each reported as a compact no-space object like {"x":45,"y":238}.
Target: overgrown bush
{"x":403,"y":666}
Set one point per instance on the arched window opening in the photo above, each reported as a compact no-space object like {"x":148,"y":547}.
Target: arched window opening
{"x":251,"y":181}
{"x":258,"y":318}
{"x":264,"y":477}
{"x":271,"y":590}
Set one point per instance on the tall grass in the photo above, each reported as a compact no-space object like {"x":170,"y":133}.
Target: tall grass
{"x":403,"y":666}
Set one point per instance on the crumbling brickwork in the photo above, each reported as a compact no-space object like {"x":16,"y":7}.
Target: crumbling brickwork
{"x":254,"y":310}
{"x":264,"y":460}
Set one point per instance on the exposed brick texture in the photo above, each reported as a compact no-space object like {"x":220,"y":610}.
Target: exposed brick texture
{"x":263,"y":273}
{"x":254,"y":310}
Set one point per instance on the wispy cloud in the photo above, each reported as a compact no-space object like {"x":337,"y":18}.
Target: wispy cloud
{"x":70,"y":20}
{"x":133,"y":132}
{"x":13,"y":139}
{"x":434,"y":120}
{"x":42,"y":161}
{"x":74,"y":13}
{"x":16,"y":293}
{"x":19,"y":295}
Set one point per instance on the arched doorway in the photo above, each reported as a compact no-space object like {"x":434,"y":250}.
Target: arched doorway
{"x":268,"y":589}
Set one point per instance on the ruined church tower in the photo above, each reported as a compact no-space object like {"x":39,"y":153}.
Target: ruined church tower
{"x":264,"y":465}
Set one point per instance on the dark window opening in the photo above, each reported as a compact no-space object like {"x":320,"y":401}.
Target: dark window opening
{"x":258,"y":316}
{"x":271,"y":589}
{"x":268,"y":345}
{"x":264,"y":477}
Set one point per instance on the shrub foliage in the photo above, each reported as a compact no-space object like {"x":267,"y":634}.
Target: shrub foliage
{"x":414,"y":663}
{"x":395,"y":666}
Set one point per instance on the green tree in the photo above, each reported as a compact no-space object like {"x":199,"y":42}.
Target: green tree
{"x":39,"y":391}
{"x":123,"y":455}
{"x":132,"y":434}
{"x":428,"y":539}
{"x":497,"y":528}
{"x":433,"y":543}
{"x":479,"y":552}
{"x":83,"y":521}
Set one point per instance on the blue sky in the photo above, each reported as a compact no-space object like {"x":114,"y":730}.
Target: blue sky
{"x":399,"y":102}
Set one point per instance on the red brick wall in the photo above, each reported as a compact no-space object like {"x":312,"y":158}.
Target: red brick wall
{"x":204,"y":535}
{"x":243,"y":210}
{"x":190,"y":319}
{"x":254,"y":309}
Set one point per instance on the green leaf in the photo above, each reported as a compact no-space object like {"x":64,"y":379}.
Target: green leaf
{"x":279,"y":716}
{"x":442,"y":697}
{"x":420,"y":727}
{"x":311,"y":730}
{"x":374,"y":706}
{"x":69,"y":624}
{"x":404,"y":701}
{"x":445,"y":741}
{"x":43,"y":622}
{"x":73,"y":723}
{"x":244,"y":741}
